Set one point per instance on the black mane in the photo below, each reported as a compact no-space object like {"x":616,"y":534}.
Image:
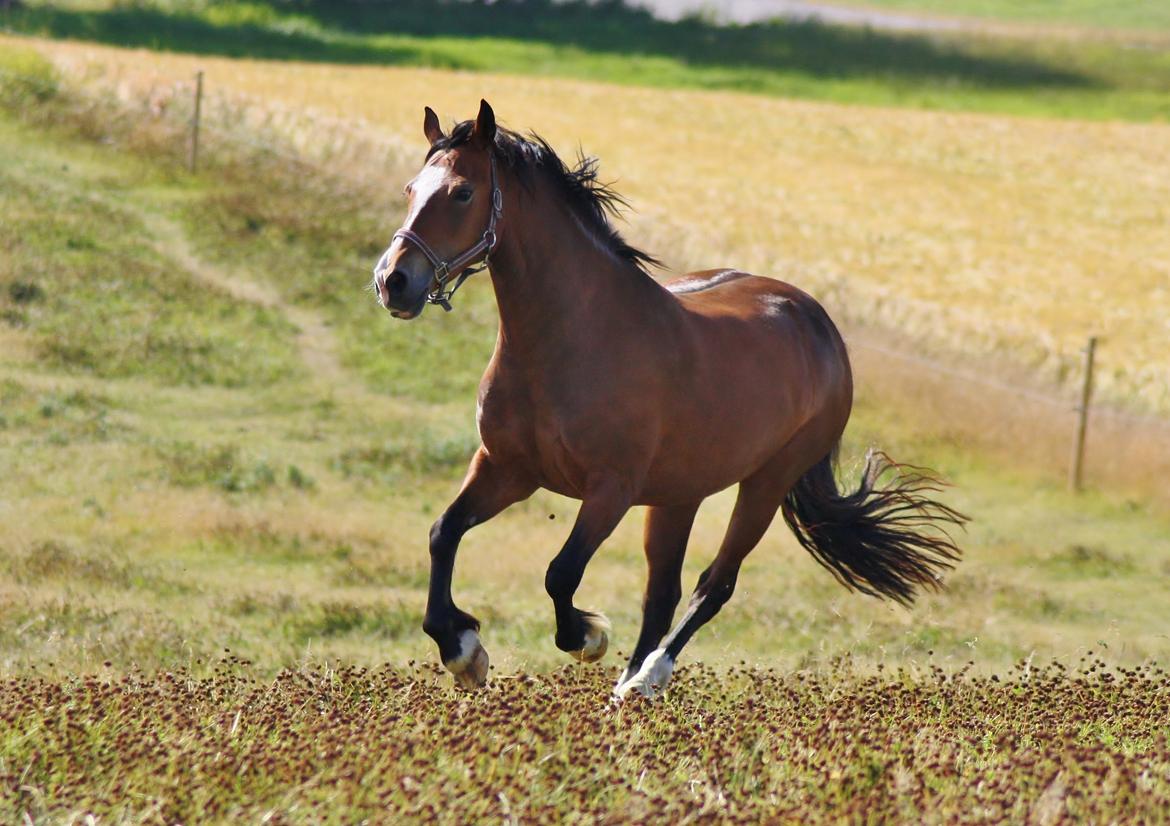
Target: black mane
{"x":590,"y":199}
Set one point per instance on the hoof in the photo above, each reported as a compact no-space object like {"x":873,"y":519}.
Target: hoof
{"x":651,"y":679}
{"x":471,"y":666}
{"x":596,"y":639}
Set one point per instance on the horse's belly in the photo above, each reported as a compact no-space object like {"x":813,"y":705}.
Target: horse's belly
{"x":690,"y":472}
{"x":737,"y":414}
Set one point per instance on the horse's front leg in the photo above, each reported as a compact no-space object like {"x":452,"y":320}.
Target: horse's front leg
{"x":488,"y":489}
{"x":583,"y":633}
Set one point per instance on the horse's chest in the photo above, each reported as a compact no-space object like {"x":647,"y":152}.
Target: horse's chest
{"x":515,"y":428}
{"x":502,"y":425}
{"x":508,"y":421}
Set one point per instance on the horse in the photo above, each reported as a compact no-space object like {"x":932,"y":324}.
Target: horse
{"x":618,"y":390}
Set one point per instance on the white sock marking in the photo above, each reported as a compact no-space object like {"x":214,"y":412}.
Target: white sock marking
{"x":468,"y":643}
{"x":651,"y":679}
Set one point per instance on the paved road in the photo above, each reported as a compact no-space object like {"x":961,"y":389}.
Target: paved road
{"x":751,"y":11}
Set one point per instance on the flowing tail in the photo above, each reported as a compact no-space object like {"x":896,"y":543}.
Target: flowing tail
{"x":887,"y":541}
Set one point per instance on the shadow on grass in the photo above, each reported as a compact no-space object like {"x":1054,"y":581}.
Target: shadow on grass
{"x":466,"y":35}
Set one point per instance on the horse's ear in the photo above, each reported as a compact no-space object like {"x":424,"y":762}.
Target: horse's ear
{"x":431,"y":126}
{"x":485,"y":126}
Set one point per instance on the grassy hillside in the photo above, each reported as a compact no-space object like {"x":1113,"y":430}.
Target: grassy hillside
{"x":1007,"y":238}
{"x":1084,"y":77}
{"x":275,"y":500}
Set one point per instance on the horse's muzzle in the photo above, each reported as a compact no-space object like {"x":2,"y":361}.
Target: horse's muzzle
{"x":400,"y":293}
{"x":412,"y":313}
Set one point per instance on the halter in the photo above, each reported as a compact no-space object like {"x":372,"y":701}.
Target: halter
{"x":457,"y":268}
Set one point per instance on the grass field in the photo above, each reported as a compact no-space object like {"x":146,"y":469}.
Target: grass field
{"x":211,"y":438}
{"x":275,"y":503}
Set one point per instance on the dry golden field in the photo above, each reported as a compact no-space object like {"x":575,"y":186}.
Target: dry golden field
{"x":1008,"y":237}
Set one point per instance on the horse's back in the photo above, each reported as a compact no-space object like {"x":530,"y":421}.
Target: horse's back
{"x":783,"y":313}
{"x":764,"y":362}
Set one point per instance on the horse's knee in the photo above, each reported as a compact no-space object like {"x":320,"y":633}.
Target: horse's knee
{"x":559,"y":579}
{"x":446,"y":532}
{"x":713,"y":592}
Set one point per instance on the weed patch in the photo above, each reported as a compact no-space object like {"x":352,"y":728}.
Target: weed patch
{"x":60,"y":417}
{"x":1080,"y":561}
{"x":187,"y":464}
{"x":319,"y":743}
{"x":335,"y":619}
{"x":424,"y":453}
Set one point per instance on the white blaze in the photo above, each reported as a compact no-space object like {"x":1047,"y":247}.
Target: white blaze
{"x":424,"y":187}
{"x":429,"y":181}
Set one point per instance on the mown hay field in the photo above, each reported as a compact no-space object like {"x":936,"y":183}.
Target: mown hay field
{"x":1011,"y":237}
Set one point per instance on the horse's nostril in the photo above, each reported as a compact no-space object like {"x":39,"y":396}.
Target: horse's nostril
{"x":396,"y":282}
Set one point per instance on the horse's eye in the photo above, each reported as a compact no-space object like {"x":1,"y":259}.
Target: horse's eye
{"x":463,"y":195}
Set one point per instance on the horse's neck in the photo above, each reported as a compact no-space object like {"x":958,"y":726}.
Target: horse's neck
{"x":555,"y":283}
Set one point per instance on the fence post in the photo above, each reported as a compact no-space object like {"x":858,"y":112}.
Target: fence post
{"x":1078,"y":456}
{"x":193,"y":157}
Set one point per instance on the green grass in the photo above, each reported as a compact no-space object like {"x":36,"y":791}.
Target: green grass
{"x":1137,"y":15}
{"x":92,"y":295}
{"x":1086,"y":78}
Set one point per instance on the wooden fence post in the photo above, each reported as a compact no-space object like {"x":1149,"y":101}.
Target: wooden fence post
{"x":1078,"y":456}
{"x":193,"y":157}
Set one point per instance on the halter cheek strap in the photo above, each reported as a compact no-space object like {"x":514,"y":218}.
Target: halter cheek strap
{"x":458,"y":268}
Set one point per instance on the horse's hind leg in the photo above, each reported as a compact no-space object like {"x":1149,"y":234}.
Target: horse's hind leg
{"x":759,"y":498}
{"x":666,"y":533}
{"x":487,"y":490}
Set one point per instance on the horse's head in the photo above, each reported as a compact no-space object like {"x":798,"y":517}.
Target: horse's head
{"x":453,"y":205}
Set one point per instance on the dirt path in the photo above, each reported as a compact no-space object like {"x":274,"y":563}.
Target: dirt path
{"x":316,"y":342}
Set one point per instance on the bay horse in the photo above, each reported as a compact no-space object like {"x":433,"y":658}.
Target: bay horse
{"x":615,"y":389}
